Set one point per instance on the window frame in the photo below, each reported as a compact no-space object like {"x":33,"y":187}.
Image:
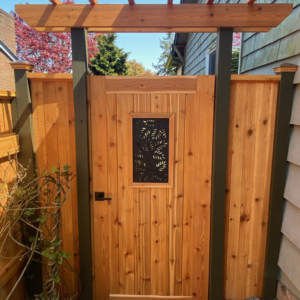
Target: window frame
{"x":170,"y":183}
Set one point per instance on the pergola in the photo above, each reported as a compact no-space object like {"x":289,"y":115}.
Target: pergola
{"x":210,"y":17}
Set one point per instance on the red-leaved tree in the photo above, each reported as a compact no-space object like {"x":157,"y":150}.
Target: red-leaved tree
{"x":48,"y":52}
{"x":236,"y":41}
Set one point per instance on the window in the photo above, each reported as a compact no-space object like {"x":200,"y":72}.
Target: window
{"x":211,"y":61}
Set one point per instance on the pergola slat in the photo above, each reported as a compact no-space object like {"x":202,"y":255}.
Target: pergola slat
{"x":93,"y":2}
{"x":170,"y":1}
{"x":54,"y":2}
{"x":155,"y":17}
{"x":131,"y":2}
{"x":209,"y":1}
{"x":251,"y":1}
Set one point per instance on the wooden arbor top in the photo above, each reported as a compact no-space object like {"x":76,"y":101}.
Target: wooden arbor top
{"x":154,"y":17}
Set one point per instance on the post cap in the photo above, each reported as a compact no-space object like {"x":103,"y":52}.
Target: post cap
{"x":21,"y":65}
{"x":286,"y":68}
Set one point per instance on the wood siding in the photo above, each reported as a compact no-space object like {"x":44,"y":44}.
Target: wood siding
{"x":54,"y":142}
{"x":197,"y":46}
{"x":282,"y":42}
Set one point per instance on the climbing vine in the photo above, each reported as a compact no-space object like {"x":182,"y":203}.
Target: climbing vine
{"x":30,"y":217}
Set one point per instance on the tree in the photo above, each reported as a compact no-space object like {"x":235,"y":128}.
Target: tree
{"x":137,"y":69}
{"x":166,"y":46}
{"x":110,"y":59}
{"x":235,"y":62}
{"x":48,"y":52}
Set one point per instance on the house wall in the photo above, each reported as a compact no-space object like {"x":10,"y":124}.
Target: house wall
{"x":7,"y":36}
{"x":260,"y":53}
{"x":197,"y":46}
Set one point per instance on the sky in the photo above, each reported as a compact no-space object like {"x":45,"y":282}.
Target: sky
{"x":143,"y":47}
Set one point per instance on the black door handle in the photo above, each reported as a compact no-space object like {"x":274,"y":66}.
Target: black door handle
{"x":99,"y":196}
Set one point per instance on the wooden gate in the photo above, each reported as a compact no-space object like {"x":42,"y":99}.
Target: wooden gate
{"x":152,"y":237}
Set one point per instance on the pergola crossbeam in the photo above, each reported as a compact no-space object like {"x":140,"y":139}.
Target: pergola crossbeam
{"x":54,"y":2}
{"x":155,"y":17}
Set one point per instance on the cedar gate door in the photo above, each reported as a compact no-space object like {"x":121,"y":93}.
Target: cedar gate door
{"x":151,"y":153}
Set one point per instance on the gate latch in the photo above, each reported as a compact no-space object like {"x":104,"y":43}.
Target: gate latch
{"x":99,"y":196}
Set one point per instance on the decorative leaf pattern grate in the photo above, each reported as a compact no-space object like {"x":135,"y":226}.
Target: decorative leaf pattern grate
{"x":150,"y":149}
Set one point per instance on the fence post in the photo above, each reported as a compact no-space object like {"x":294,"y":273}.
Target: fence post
{"x":221,"y":119}
{"x":22,"y":125}
{"x":21,"y":114}
{"x":278,"y":176}
{"x":80,"y":72}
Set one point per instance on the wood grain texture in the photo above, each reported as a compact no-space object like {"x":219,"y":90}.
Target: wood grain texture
{"x":125,"y":195}
{"x":154,"y":16}
{"x":152,"y":29}
{"x":7,"y":95}
{"x":256,"y":78}
{"x":49,"y":76}
{"x":175,"y":205}
{"x":54,"y":139}
{"x":112,"y":187}
{"x":9,"y":145}
{"x":5,"y":116}
{"x":142,"y":220}
{"x":150,"y":219}
{"x":159,"y":220}
{"x":251,"y":131}
{"x":100,"y":228}
{"x":155,"y":84}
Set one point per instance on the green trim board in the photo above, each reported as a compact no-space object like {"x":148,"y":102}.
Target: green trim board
{"x":219,"y":166}
{"x":279,"y":167}
{"x":80,"y":70}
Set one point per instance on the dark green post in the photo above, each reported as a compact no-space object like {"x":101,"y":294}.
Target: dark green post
{"x":279,"y":165}
{"x":221,"y":119}
{"x":22,"y":114}
{"x":22,"y":125}
{"x":80,"y":71}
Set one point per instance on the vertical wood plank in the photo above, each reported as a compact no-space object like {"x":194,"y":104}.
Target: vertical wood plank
{"x":112,"y":192}
{"x":202,"y":184}
{"x":250,"y":139}
{"x":177,"y":106}
{"x":125,"y":197}
{"x":248,"y":182}
{"x":73,"y":196}
{"x":237,"y":148}
{"x":38,"y":116}
{"x":159,"y":222}
{"x":99,"y":183}
{"x":188,"y":200}
{"x":261,"y":189}
{"x":142,"y":217}
{"x":61,"y":93}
